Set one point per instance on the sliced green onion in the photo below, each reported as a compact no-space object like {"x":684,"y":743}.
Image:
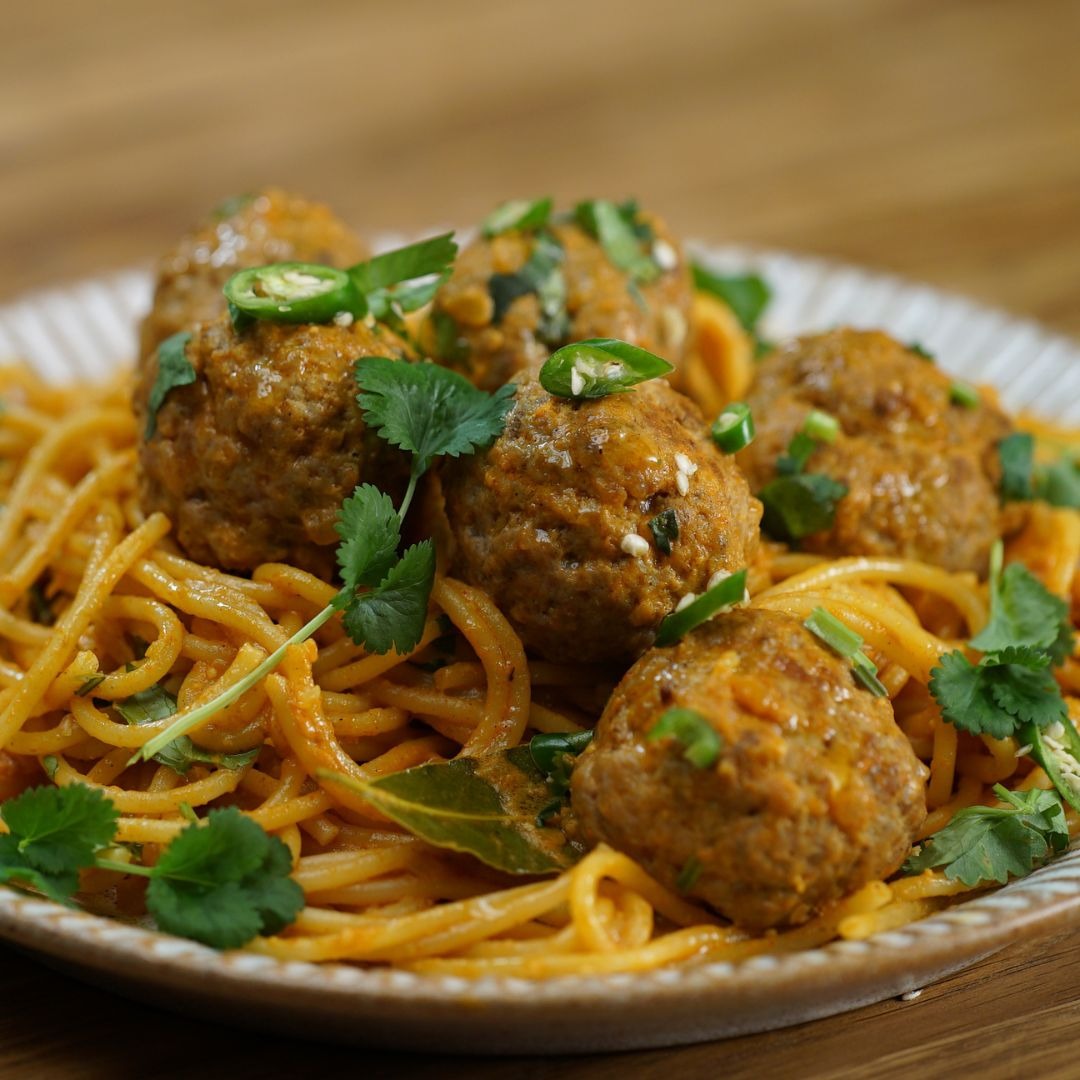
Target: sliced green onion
{"x":822,"y":426}
{"x":840,"y":638}
{"x":733,"y":429}
{"x":962,"y":393}
{"x":613,"y":227}
{"x":517,"y":214}
{"x":702,"y":743}
{"x":673,"y":627}
{"x":598,"y":367}
{"x":689,"y":874}
{"x":292,"y":293}
{"x":846,"y":643}
{"x":665,"y":530}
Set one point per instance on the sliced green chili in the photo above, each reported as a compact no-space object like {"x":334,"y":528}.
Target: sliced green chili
{"x":293,"y":293}
{"x":732,"y":590}
{"x":598,"y":367}
{"x":733,"y":429}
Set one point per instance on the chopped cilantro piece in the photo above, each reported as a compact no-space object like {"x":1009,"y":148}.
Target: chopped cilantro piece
{"x":665,"y":530}
{"x":798,"y":506}
{"x":173,"y":370}
{"x":747,"y":295}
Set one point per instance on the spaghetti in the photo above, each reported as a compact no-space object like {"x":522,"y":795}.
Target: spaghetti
{"x":97,"y":606}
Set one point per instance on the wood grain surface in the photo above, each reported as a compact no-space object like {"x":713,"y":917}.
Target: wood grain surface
{"x":934,"y":138}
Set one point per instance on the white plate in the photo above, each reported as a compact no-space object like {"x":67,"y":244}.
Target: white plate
{"x":85,"y":330}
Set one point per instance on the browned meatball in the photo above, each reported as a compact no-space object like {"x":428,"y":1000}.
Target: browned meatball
{"x":815,"y":792}
{"x":553,"y":520}
{"x":253,"y":459}
{"x":267,"y":227}
{"x":601,"y":301}
{"x":922,"y":472}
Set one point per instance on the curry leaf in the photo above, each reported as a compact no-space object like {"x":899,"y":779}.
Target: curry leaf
{"x":484,"y":806}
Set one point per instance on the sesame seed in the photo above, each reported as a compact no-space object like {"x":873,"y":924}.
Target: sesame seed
{"x":634,"y":545}
{"x":686,"y":601}
{"x":682,"y":482}
{"x":664,"y":255}
{"x":577,"y":382}
{"x":685,"y":465}
{"x":719,"y":576}
{"x":343,"y":318}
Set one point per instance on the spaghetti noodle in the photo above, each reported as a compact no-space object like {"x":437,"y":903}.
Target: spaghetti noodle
{"x":97,"y":605}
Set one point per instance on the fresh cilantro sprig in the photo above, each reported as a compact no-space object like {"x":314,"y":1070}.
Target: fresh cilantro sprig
{"x":428,"y":411}
{"x":53,"y":834}
{"x":984,"y":844}
{"x":222,"y":881}
{"x":1012,"y":684}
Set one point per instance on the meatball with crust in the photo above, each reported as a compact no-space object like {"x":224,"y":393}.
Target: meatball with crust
{"x":922,"y":471}
{"x":251,"y":230}
{"x":553,"y":519}
{"x":815,"y":791}
{"x":490,"y":346}
{"x":252,"y":460}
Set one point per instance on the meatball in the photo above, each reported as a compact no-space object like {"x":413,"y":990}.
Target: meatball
{"x":253,"y":459}
{"x":553,"y":519}
{"x":268,"y":227}
{"x":922,"y":472}
{"x":815,"y":792}
{"x":602,"y":300}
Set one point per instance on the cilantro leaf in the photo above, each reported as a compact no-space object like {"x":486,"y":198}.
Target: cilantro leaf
{"x":392,"y":615}
{"x":429,"y":410}
{"x":174,"y":369}
{"x":224,"y":882}
{"x":54,"y":832}
{"x":997,"y":695}
{"x":746,"y":294}
{"x":370,"y":532}
{"x":156,"y":703}
{"x":182,"y":753}
{"x":1017,"y":454}
{"x":798,"y":506}
{"x":984,"y":844}
{"x":1023,"y":612}
{"x":147,"y":706}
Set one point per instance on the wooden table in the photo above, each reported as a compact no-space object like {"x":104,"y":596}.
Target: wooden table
{"x":937,"y":139}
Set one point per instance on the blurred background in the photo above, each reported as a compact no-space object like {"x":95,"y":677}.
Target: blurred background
{"x":937,"y":138}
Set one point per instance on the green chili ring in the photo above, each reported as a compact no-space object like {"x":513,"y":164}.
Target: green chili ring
{"x":733,"y":429}
{"x":293,"y":293}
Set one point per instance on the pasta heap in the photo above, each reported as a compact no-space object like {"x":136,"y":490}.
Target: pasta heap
{"x":97,"y":605}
